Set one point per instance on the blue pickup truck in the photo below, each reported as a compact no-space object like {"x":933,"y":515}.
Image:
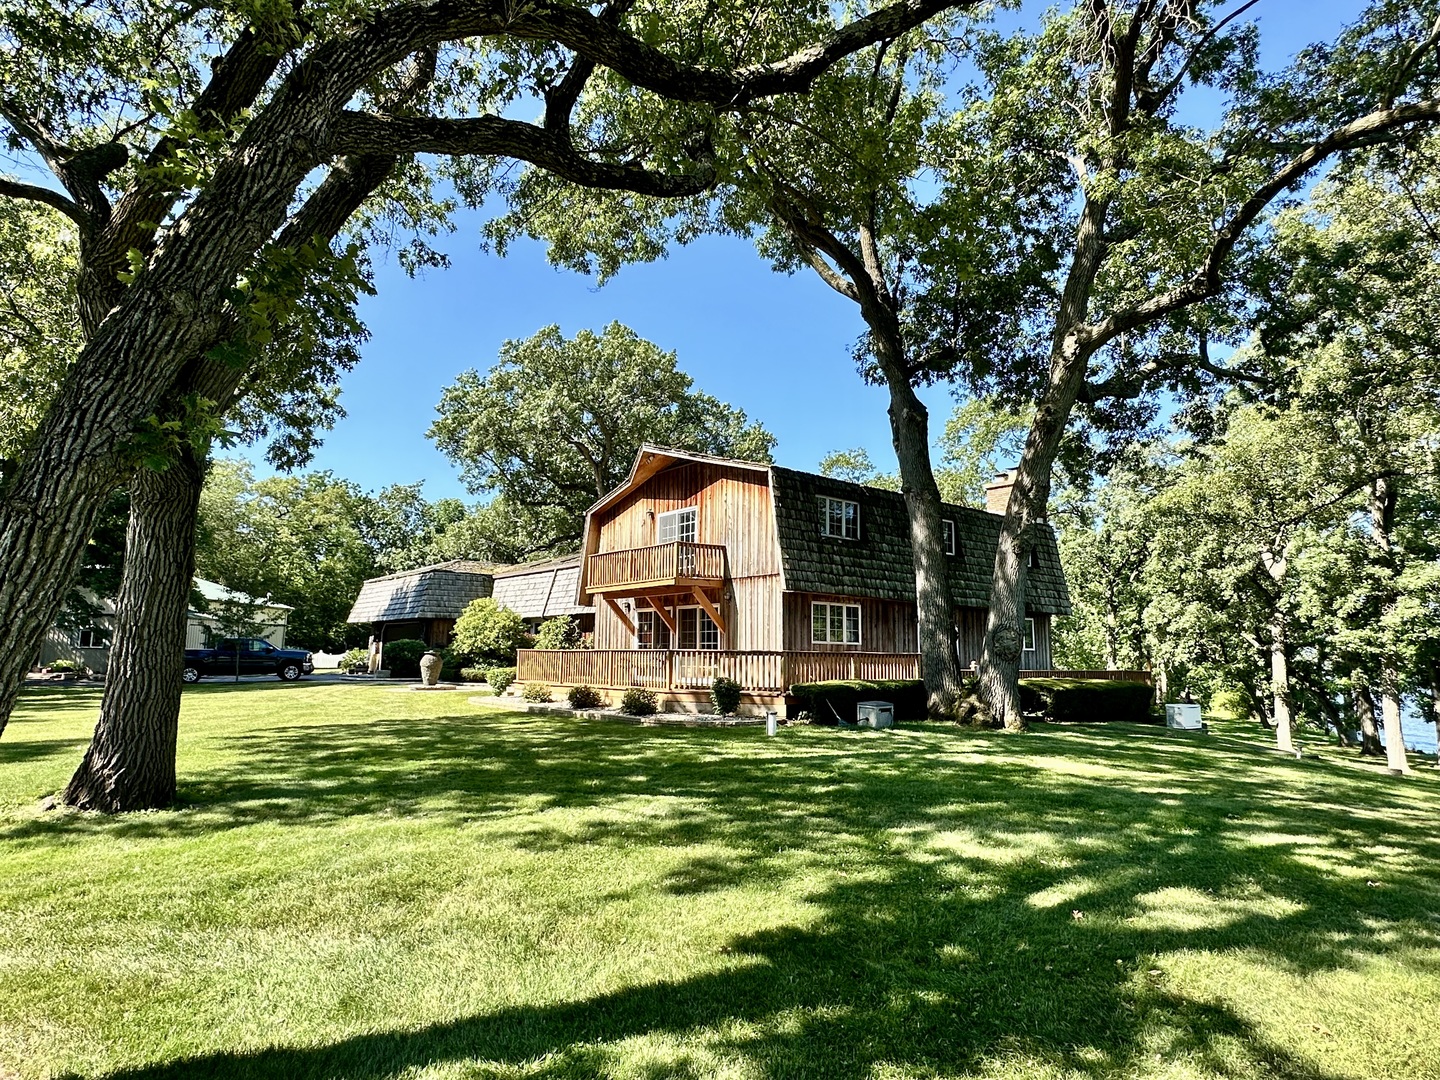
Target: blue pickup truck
{"x":246,"y":656}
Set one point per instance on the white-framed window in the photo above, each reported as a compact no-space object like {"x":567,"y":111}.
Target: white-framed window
{"x":839,"y":517}
{"x":696,"y":630}
{"x":834,"y":624}
{"x":1028,"y":644}
{"x":950,"y":546}
{"x":677,"y":525}
{"x":1034,"y":558}
{"x":91,"y":638}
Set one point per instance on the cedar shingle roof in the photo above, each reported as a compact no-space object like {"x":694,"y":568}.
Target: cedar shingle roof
{"x":427,"y":592}
{"x":541,"y":590}
{"x":880,"y":564}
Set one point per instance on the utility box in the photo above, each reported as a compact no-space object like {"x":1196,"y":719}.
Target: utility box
{"x":875,"y":714}
{"x":1186,"y":717}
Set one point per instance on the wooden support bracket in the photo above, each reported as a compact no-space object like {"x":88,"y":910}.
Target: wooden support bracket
{"x":669,"y":620}
{"x":620,"y":614}
{"x":711,"y":610}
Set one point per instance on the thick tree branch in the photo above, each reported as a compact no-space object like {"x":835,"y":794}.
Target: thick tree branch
{"x":358,"y":133}
{"x":1207,"y":281}
{"x":51,"y":198}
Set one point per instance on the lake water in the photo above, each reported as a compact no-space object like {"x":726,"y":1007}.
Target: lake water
{"x":1419,"y":732}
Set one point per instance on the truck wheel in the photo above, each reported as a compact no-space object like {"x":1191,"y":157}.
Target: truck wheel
{"x":290,"y":672}
{"x":191,"y":674}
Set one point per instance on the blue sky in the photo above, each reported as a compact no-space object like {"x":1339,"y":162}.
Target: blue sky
{"x":777,"y":346}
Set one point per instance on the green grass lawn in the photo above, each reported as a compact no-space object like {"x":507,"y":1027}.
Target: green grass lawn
{"x":365,"y":883}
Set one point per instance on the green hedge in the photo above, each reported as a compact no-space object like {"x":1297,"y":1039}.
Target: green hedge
{"x":1079,"y":701}
{"x":472,"y":674}
{"x":402,"y":657}
{"x":825,"y":701}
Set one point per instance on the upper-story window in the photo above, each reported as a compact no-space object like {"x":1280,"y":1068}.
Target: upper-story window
{"x":839,"y":517}
{"x":950,"y":545}
{"x":1034,"y":558}
{"x":677,"y":525}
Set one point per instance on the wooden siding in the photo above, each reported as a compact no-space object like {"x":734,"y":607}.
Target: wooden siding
{"x":970,"y":638}
{"x":886,"y":626}
{"x":732,"y":509}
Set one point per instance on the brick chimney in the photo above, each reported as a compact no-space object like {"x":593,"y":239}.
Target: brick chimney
{"x":997,"y":492}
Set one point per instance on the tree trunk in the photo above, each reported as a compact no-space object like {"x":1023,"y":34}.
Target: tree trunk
{"x":1435,"y":718}
{"x":1384,"y":496}
{"x":1390,"y":715}
{"x":1069,"y":362}
{"x":1280,"y":683}
{"x":939,"y":665}
{"x":1365,"y":712}
{"x":130,"y":764}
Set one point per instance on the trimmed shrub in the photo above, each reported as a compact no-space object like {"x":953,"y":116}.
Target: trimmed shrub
{"x":832,"y":702}
{"x":725,"y":696}
{"x":500,"y":678}
{"x":402,"y":657}
{"x":472,"y":674}
{"x":485,"y":629}
{"x":65,"y":667}
{"x":561,"y":632}
{"x":537,"y":692}
{"x":584,"y":697}
{"x":1083,"y":701}
{"x":639,"y":702}
{"x":355,"y":662}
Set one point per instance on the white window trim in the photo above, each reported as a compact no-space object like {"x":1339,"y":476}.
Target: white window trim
{"x":825,"y":518}
{"x":1030,"y":636}
{"x":859,"y":624}
{"x":692,"y":511}
{"x":947,"y":529}
{"x":1034,"y":558}
{"x":97,"y":640}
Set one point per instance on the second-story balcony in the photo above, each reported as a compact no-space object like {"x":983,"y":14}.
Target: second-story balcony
{"x":637,"y":571}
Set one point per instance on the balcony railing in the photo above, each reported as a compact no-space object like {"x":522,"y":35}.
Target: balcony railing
{"x":678,"y":563}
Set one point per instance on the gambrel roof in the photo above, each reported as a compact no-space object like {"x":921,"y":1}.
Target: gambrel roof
{"x":427,"y":592}
{"x":541,"y":590}
{"x":880,"y":563}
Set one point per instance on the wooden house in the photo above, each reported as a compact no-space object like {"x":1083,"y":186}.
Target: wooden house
{"x":700,"y":567}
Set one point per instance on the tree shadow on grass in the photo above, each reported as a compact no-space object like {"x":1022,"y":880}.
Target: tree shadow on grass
{"x":987,"y":897}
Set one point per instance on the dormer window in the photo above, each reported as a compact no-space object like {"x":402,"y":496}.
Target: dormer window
{"x":839,"y":517}
{"x":677,"y":525}
{"x":950,"y":545}
{"x":1034,"y":558}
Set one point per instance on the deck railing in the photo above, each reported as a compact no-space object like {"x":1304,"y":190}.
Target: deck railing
{"x":762,"y":672}
{"x":697,"y":669}
{"x":662,"y":562}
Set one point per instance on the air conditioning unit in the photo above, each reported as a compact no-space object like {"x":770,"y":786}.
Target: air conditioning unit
{"x":1186,"y":717}
{"x":875,"y":714}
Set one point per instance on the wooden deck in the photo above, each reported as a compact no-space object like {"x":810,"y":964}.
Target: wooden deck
{"x":761,"y":672}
